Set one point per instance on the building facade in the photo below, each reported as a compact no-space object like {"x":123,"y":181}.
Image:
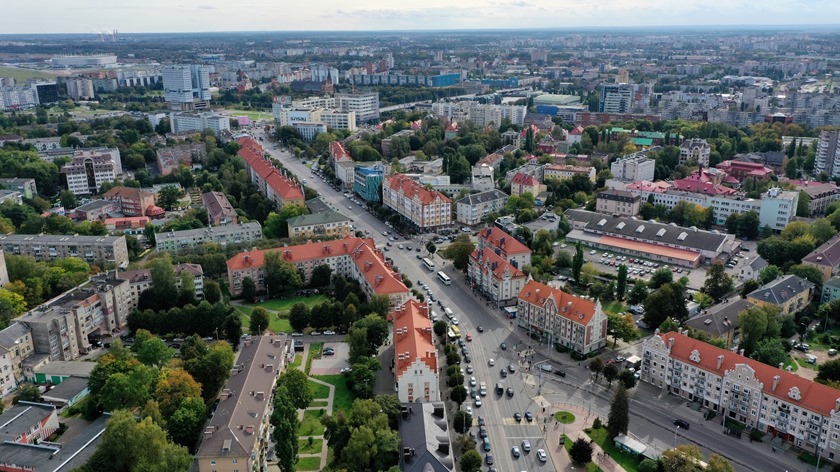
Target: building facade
{"x":140,"y":280}
{"x":509,"y":248}
{"x":15,"y":346}
{"x":186,"y":84}
{"x":131,"y":201}
{"x":325,"y":224}
{"x":364,"y":105}
{"x":415,"y":355}
{"x":618,"y":202}
{"x":49,"y":247}
{"x":575,"y":323}
{"x":494,"y":277}
{"x":826,"y":258}
{"x":828,"y":153}
{"x":789,"y":293}
{"x":633,"y":168}
{"x":184,"y":122}
{"x":175,"y":241}
{"x":272,"y":184}
{"x":90,"y":168}
{"x":524,"y":183}
{"x":616,"y":98}
{"x":695,"y":149}
{"x":474,"y":208}
{"x":367,"y":182}
{"x":427,"y":209}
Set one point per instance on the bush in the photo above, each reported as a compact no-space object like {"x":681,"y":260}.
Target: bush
{"x":596,"y":424}
{"x":756,"y":435}
{"x":581,"y":451}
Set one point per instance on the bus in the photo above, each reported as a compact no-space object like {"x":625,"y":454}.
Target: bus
{"x":456,"y":332}
{"x":444,"y":278}
{"x":428,"y":263}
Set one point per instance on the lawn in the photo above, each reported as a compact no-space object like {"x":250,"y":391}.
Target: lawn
{"x":305,"y":448}
{"x":287,"y":303}
{"x":564,"y":417}
{"x":22,"y":75}
{"x":308,"y":463}
{"x":343,"y":397}
{"x":804,"y":363}
{"x":311,"y":424}
{"x":319,"y":391}
{"x":614,"y":307}
{"x":275,"y":323}
{"x":254,"y":115}
{"x":297,"y":362}
{"x":627,"y":461}
{"x":319,"y":403}
{"x":590,"y":466}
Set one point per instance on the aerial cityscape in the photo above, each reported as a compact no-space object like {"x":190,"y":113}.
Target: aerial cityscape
{"x":492,"y":236}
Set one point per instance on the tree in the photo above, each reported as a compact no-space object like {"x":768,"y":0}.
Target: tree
{"x":232,"y":327}
{"x":212,"y":291}
{"x":27,"y":393}
{"x":12,"y":305}
{"x":459,"y":252}
{"x":154,"y":352}
{"x":68,"y":200}
{"x":212,"y":369}
{"x":127,"y":390}
{"x":667,"y":301}
{"x":638,"y":294}
{"x":596,"y":365}
{"x":458,"y":395}
{"x":186,"y":293}
{"x":175,"y":386}
{"x":769,"y":274}
{"x":296,"y":384}
{"x":281,"y":277}
{"x":285,"y":421}
{"x":610,"y":372}
{"x":717,"y":463}
{"x":321,"y":275}
{"x":829,"y":371}
{"x":471,"y":461}
{"x":683,"y":458}
{"x":618,"y":420}
{"x":259,"y":321}
{"x":462,"y":421}
{"x":249,"y":289}
{"x":431,"y":248}
{"x":757,"y":323}
{"x":581,"y":451}
{"x":299,"y":317}
{"x":577,"y":262}
{"x":718,"y":283}
{"x":749,"y":287}
{"x":168,"y":197}
{"x":627,"y":378}
{"x":621,"y":283}
{"x":164,"y":291}
{"x":660,"y":277}
{"x":440,"y":328}
{"x":621,"y":326}
{"x":648,"y":465}
{"x":149,"y":232}
{"x":187,"y":422}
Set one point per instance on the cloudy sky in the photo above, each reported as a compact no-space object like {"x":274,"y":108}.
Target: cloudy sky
{"x":136,"y":16}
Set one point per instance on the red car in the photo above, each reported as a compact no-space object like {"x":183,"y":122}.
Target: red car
{"x":469,"y":337}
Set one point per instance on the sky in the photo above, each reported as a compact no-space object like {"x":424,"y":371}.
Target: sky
{"x":141,"y":16}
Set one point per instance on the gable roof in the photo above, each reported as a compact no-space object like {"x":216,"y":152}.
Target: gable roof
{"x":413,"y":336}
{"x":827,"y":255}
{"x":781,"y":290}
{"x":424,"y":435}
{"x":572,"y":308}
{"x":814,"y":396}
{"x":721,"y":318}
{"x":483,"y":197}
{"x":252,"y":152}
{"x":498,"y":238}
{"x":217,"y":204}
{"x":524,"y":179}
{"x":489,"y":261}
{"x":410,"y":188}
{"x":320,"y":218}
{"x":758,"y":263}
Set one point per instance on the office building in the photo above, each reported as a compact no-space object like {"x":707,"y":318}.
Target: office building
{"x":80,"y":88}
{"x":219,"y":210}
{"x":175,"y":241}
{"x":23,"y":185}
{"x":575,"y":323}
{"x":238,"y":435}
{"x":365,"y":105}
{"x":336,"y":119}
{"x":634,"y":167}
{"x":325,"y":224}
{"x":615,"y":98}
{"x":367,"y":182}
{"x":618,"y":202}
{"x":140,"y":280}
{"x":695,"y":149}
{"x":48,"y":247}
{"x":131,"y":201}
{"x":790,"y":408}
{"x":90,"y":168}
{"x":308,"y":131}
{"x":828,"y":153}
{"x":474,"y":208}
{"x":356,"y":258}
{"x":187,"y":86}
{"x":494,"y":277}
{"x":426,"y":209}
{"x":415,"y":355}
{"x":46,"y":93}
{"x":273,"y":185}
{"x":184,"y":122}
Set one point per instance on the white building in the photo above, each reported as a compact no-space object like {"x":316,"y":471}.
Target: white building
{"x":494,"y":277}
{"x":616,"y":98}
{"x":186,"y":84}
{"x":308,"y":131}
{"x":221,"y":235}
{"x":80,"y":88}
{"x":92,"y":60}
{"x":486,"y":114}
{"x":472,"y":209}
{"x":415,"y":354}
{"x":366,"y":105}
{"x":695,"y":149}
{"x":828,"y":153}
{"x":314,"y":102}
{"x":198,"y":122}
{"x":90,"y":168}
{"x":633,"y":168}
{"x":339,"y":119}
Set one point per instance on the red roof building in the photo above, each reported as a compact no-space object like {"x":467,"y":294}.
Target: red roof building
{"x":576,"y":323}
{"x":694,"y":184}
{"x":525,"y":183}
{"x":742,"y":170}
{"x":427,"y":209}
{"x":506,"y":246}
{"x":131,"y":201}
{"x":493,"y":276}
{"x":271,"y":183}
{"x":415,"y":354}
{"x":761,"y":396}
{"x":352,"y":257}
{"x":338,"y":154}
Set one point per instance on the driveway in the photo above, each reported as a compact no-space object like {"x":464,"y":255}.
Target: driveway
{"x":328,"y":365}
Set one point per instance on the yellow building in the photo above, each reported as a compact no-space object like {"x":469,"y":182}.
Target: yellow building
{"x":330,"y":224}
{"x":790,"y":293}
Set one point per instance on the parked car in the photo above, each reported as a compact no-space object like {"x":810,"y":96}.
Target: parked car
{"x":681,"y":423}
{"x":329,"y":333}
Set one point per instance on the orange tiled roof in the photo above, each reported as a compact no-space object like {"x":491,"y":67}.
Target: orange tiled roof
{"x":814,"y":396}
{"x":361,"y":250}
{"x":251,"y":151}
{"x":338,"y":152}
{"x":417,"y":339}
{"x":524,"y":179}
{"x":576,"y":309}
{"x":488,"y":260}
{"x":405,"y":185}
{"x":509,"y":245}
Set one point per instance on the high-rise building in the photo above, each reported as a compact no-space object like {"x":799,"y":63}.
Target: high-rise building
{"x":184,"y":122}
{"x":366,"y":105}
{"x":79,"y":88}
{"x":186,"y":86}
{"x":828,"y":153}
{"x":46,"y":93}
{"x":616,"y":98}
{"x":90,"y":168}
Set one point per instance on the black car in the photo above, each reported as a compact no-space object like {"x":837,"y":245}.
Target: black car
{"x":504,"y":347}
{"x":489,"y":459}
{"x":517,"y":416}
{"x":529,"y":416}
{"x":503,"y":373}
{"x":468,"y":359}
{"x":480,"y":329}
{"x":680,"y":423}
{"x":560,"y":373}
{"x":482,"y":431}
{"x":481,"y":421}
{"x":510,"y":392}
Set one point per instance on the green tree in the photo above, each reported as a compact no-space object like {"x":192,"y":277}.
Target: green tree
{"x":68,"y":200}
{"x":281,"y":277}
{"x":471,"y":461}
{"x":577,"y":262}
{"x":638,"y":294}
{"x":321,"y":275}
{"x":249,"y":289}
{"x":621,"y":283}
{"x":12,"y":305}
{"x":284,"y":419}
{"x":749,"y":287}
{"x":458,"y":395}
{"x":440,"y":328}
{"x":718,"y":283}
{"x":27,"y":393}
{"x":770,"y":351}
{"x":459,"y":252}
{"x":581,"y":451}
{"x":610,"y":372}
{"x":174,"y":386}
{"x":149,"y":233}
{"x":758,"y":323}
{"x":462,"y":421}
{"x":212,"y":291}
{"x":187,"y":422}
{"x":127,"y":390}
{"x":648,"y":465}
{"x":717,"y":463}
{"x":168,"y":197}
{"x":667,"y":301}
{"x":822,"y":231}
{"x":660,"y":277}
{"x":769,"y":274}
{"x":829,"y":372}
{"x":596,"y":365}
{"x":164,"y":291}
{"x":296,"y":385}
{"x":212,"y":369}
{"x":627,"y":378}
{"x":618,"y":420}
{"x":683,"y":458}
{"x":621,"y":326}
{"x":154,"y":353}
{"x":299,"y":317}
{"x":259,"y":321}
{"x":186,"y":292}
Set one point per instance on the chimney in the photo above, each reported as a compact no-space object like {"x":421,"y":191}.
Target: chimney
{"x":670,"y":343}
{"x":719,"y":361}
{"x":741,"y":352}
{"x":776,"y":379}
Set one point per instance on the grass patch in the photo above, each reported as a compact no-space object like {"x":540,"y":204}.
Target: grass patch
{"x":305,"y":448}
{"x":254,"y":115}
{"x":734,"y":425}
{"x":614,"y":307}
{"x":590,"y":466}
{"x":804,"y":363}
{"x":343,"y":397}
{"x":314,"y":351}
{"x":287,"y":303}
{"x":564,"y":417}
{"x":319,"y":403}
{"x":275,"y":323}
{"x":791,"y":362}
{"x":245,"y":310}
{"x":807,"y":458}
{"x":628,"y":462}
{"x":311,"y":424}
{"x":297,"y":362}
{"x":22,"y":75}
{"x":319,"y":391}
{"x":308,"y":463}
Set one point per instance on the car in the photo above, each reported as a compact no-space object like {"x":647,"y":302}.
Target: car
{"x":517,"y":416}
{"x":503,"y":373}
{"x":541,"y":455}
{"x":418,"y":249}
{"x":482,"y":431}
{"x":346,"y":370}
{"x":480,"y":329}
{"x":593,"y":252}
{"x":482,"y":389}
{"x":473,"y":382}
{"x":349,"y":207}
{"x":481,"y":421}
{"x":529,"y":416}
{"x":488,"y":459}
{"x":329,"y":353}
{"x":620,"y":359}
{"x":419,"y":256}
{"x":462,"y":344}
{"x":297,"y":334}
{"x":455,"y":321}
{"x":477,"y":402}
{"x":562,"y":246}
{"x":832,"y":352}
{"x":329,"y":333}
{"x":503,"y":346}
{"x":467,"y":358}
{"x":681,"y":423}
{"x":511,"y":368}
{"x":514,"y":451}
{"x":560,"y":373}
{"x":469,"y":337}
{"x":469,"y":410}
{"x":315,"y":333}
{"x":469,"y":369}
{"x":400,"y":246}
{"x":526,"y":445}
{"x":491,"y":362}
{"x":510,"y":392}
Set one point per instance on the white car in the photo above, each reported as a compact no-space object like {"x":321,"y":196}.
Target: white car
{"x":469,"y":410}
{"x":473,"y":382}
{"x":541,"y":455}
{"x":296,"y":334}
{"x":477,"y":401}
{"x":593,"y":252}
{"x":455,"y":321}
{"x":491,"y":362}
{"x":329,"y":333}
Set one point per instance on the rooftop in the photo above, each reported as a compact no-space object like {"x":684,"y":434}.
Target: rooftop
{"x":67,"y":389}
{"x":413,"y":337}
{"x":21,"y":418}
{"x":10,"y":335}
{"x":252,"y":152}
{"x":483,"y":197}
{"x":781,"y":290}
{"x":320,"y":218}
{"x":721,"y":318}
{"x":407,"y":186}
{"x":506,"y":243}
{"x":217,"y":204}
{"x":58,"y":238}
{"x":424,"y":439}
{"x":74,"y":368}
{"x":828,"y":254}
{"x":489,"y":261}
{"x":72,"y":454}
{"x":210,"y":231}
{"x":576,"y":309}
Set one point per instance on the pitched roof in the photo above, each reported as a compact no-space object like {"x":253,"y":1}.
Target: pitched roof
{"x":338,"y":152}
{"x":21,"y":419}
{"x":489,"y":261}
{"x":813,"y":396}
{"x":217,"y":204}
{"x":424,"y":431}
{"x":127,"y":192}
{"x":828,"y":254}
{"x":323,"y":217}
{"x":721,"y":318}
{"x":409,"y":187}
{"x":781,"y":290}
{"x":506,"y":243}
{"x":252,"y":152}
{"x":568,"y":306}
{"x":758,"y":263}
{"x":370,"y":263}
{"x":413,"y":336}
{"x":524,"y":179}
{"x":483,"y":197}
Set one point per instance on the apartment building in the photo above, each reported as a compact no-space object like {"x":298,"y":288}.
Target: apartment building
{"x":483,"y":115}
{"x":175,"y":241}
{"x":427,"y":209}
{"x":23,"y":185}
{"x":273,"y":185}
{"x":48,"y":247}
{"x":494,"y":277}
{"x":618,"y":202}
{"x":364,"y":105}
{"x":140,"y":280}
{"x":367,"y":182}
{"x":578,"y":324}
{"x":505,"y":245}
{"x":325,"y":224}
{"x":238,"y":436}
{"x":15,"y":346}
{"x":828,"y":153}
{"x":352,"y":257}
{"x":182,"y":155}
{"x":820,"y":194}
{"x":616,"y":98}
{"x":131,"y":201}
{"x":187,"y":84}
{"x":219,"y":210}
{"x":789,"y":293}
{"x":782,"y":404}
{"x":565,"y":172}
{"x":474,"y":208}
{"x":695,"y":149}
{"x":415,"y":355}
{"x":634,"y":167}
{"x":826,"y":258}
{"x":90,"y":168}
{"x":184,"y":122}
{"x":524,"y":183}
{"x":80,"y":88}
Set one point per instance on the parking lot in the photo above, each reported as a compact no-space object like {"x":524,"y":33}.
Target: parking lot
{"x":333,"y":364}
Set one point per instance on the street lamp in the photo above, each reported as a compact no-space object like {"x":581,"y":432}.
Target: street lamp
{"x":677,"y":428}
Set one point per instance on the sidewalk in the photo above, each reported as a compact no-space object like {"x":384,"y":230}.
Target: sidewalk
{"x":574,"y":431}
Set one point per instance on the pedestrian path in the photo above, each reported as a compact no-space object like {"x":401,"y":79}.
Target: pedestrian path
{"x":555,"y":431}
{"x":323,"y":455}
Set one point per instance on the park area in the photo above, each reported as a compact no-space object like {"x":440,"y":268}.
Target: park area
{"x":278,"y":310}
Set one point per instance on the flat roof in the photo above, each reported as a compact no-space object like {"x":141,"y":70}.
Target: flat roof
{"x":674,"y":253}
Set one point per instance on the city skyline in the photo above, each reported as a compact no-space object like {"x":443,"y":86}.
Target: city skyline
{"x":156,"y":16}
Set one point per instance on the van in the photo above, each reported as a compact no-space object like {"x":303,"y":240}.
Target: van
{"x":486,"y":445}
{"x":448,"y":312}
{"x":500,"y":389}
{"x":812,"y":359}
